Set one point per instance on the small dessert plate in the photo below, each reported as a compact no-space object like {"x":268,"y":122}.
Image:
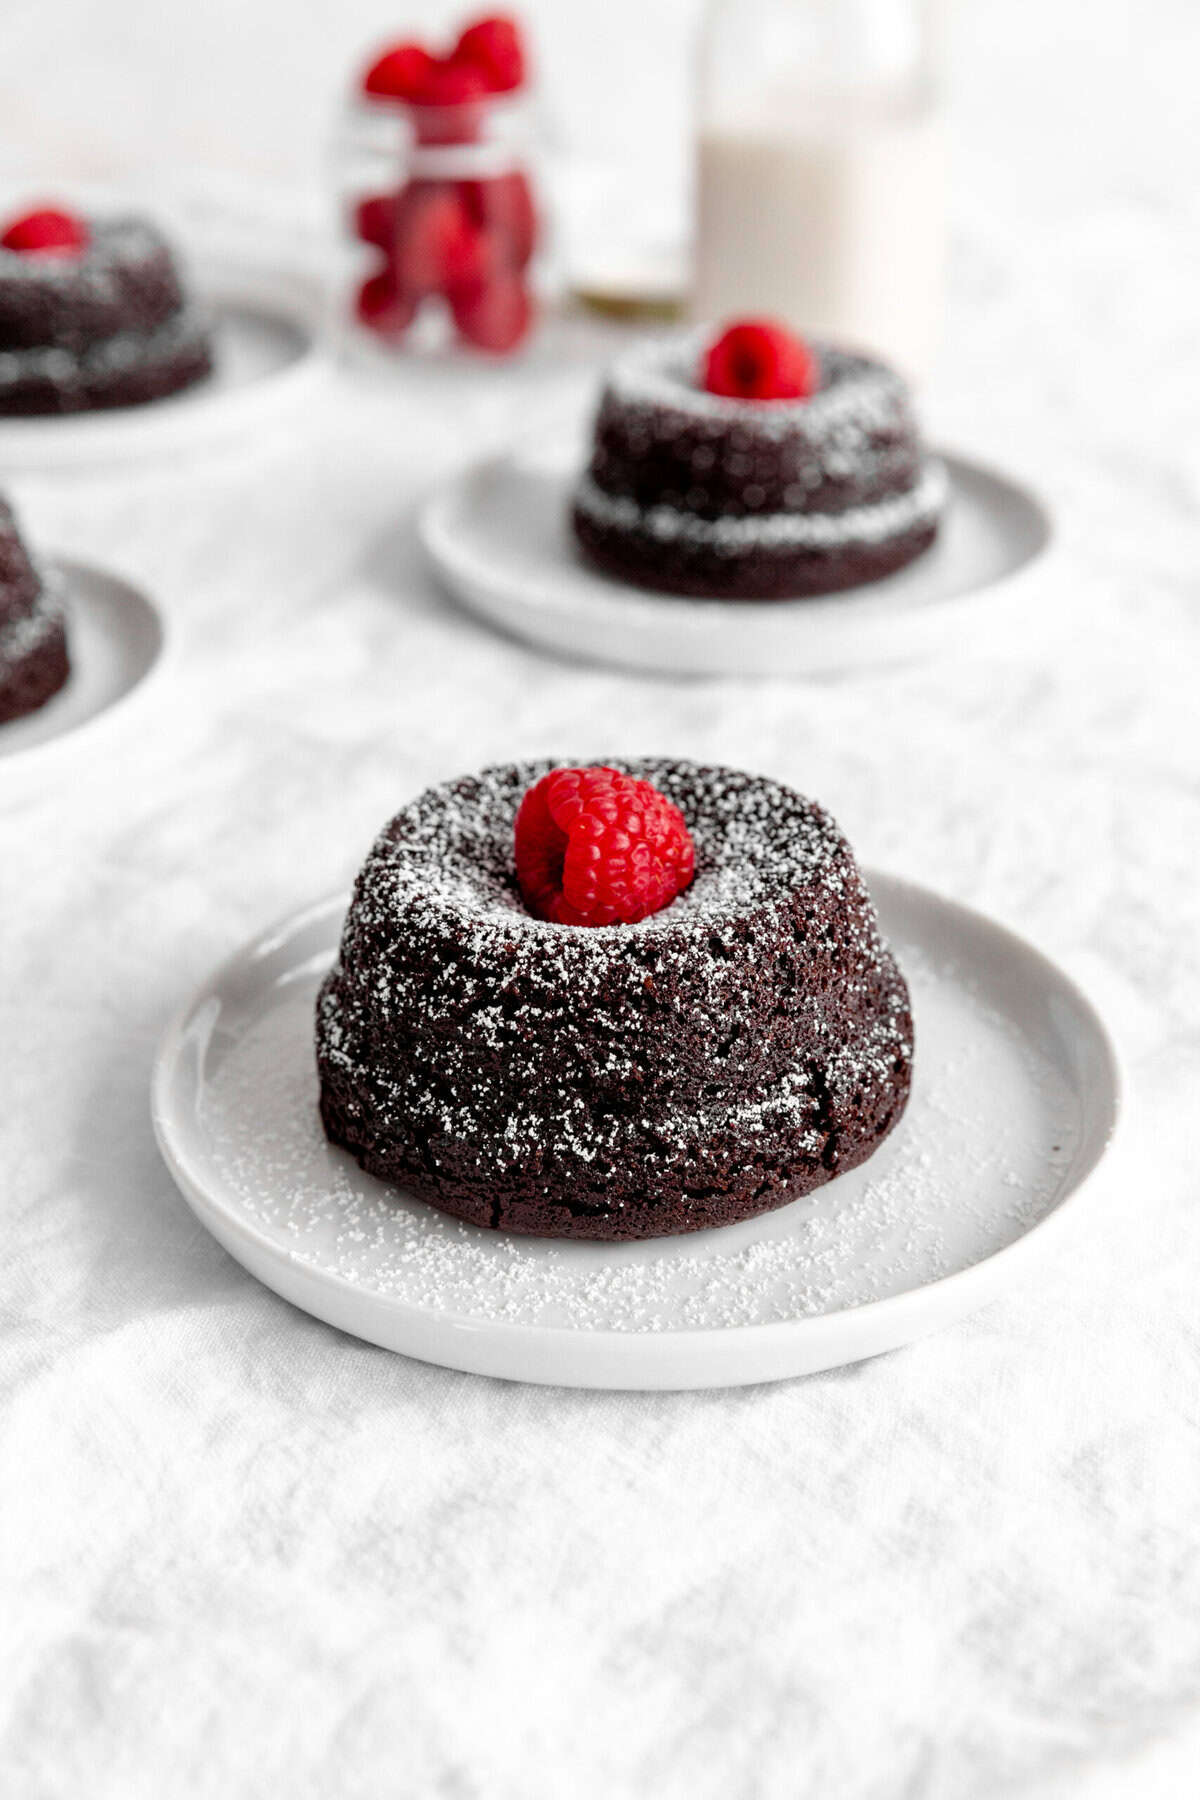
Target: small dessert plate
{"x":267,"y":360}
{"x":499,"y":538}
{"x":114,"y":638}
{"x":1014,"y":1103}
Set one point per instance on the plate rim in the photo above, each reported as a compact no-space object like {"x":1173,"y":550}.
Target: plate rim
{"x":967,"y":1289}
{"x":114,"y":712}
{"x":865,"y":605}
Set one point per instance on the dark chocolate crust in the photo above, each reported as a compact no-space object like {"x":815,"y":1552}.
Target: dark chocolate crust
{"x":28,"y":680}
{"x":716,"y":1060}
{"x":33,"y":639}
{"x":110,"y":327}
{"x":692,"y":493}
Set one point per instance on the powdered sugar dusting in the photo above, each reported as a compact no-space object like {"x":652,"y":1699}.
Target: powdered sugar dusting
{"x":852,"y":387}
{"x":112,"y":243}
{"x":755,"y":840}
{"x":20,"y":637}
{"x":872,"y":524}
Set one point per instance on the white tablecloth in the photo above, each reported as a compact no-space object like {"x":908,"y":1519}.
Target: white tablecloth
{"x":243,"y":1555}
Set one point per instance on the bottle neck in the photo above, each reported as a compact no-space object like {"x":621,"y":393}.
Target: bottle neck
{"x":818,"y":64}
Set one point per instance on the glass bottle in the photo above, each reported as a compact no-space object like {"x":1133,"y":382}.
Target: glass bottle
{"x":820,"y":171}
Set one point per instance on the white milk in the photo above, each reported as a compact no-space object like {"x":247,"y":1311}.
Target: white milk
{"x":833,"y":222}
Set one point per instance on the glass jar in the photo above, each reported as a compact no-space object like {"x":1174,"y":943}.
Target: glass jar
{"x":820,"y":170}
{"x":439,"y":206}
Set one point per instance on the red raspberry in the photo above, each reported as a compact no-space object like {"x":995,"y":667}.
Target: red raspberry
{"x":47,"y":231}
{"x":503,"y":205}
{"x":494,"y":46}
{"x":384,"y":307}
{"x":375,"y":219}
{"x":436,"y":246}
{"x":595,"y":847}
{"x":494,"y":314}
{"x":755,"y":359}
{"x":400,"y":73}
{"x":444,"y":96}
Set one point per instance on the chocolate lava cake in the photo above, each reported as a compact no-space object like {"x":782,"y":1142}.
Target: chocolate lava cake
{"x":729,"y":1053}
{"x":720,"y":497}
{"x":33,"y":638}
{"x":103,"y":323}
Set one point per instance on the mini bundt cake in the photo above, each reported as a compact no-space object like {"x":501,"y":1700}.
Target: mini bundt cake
{"x":33,"y":636}
{"x":725,"y":1054}
{"x":722,"y":477}
{"x":93,"y":314}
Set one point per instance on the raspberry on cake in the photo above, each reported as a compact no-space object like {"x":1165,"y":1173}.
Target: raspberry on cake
{"x":47,"y":231}
{"x":755,"y":467}
{"x":594,"y":847}
{"x":708,"y":1061}
{"x":758,"y":360}
{"x":93,"y":314}
{"x":33,"y":637}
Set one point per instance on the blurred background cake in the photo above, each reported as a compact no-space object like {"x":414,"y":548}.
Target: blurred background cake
{"x":93,"y":313}
{"x":754,"y":465}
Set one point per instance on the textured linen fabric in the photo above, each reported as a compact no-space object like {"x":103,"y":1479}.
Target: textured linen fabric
{"x":241,"y":1554}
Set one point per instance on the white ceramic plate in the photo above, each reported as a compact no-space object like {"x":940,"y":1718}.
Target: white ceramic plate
{"x":267,"y":359}
{"x":500,"y":540}
{"x":1014,"y":1103}
{"x":114,"y":639}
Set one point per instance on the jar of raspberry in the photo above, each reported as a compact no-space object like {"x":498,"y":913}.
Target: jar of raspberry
{"x":437,"y":195}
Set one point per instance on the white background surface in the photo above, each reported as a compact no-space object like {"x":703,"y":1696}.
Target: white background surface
{"x":240,"y":1554}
